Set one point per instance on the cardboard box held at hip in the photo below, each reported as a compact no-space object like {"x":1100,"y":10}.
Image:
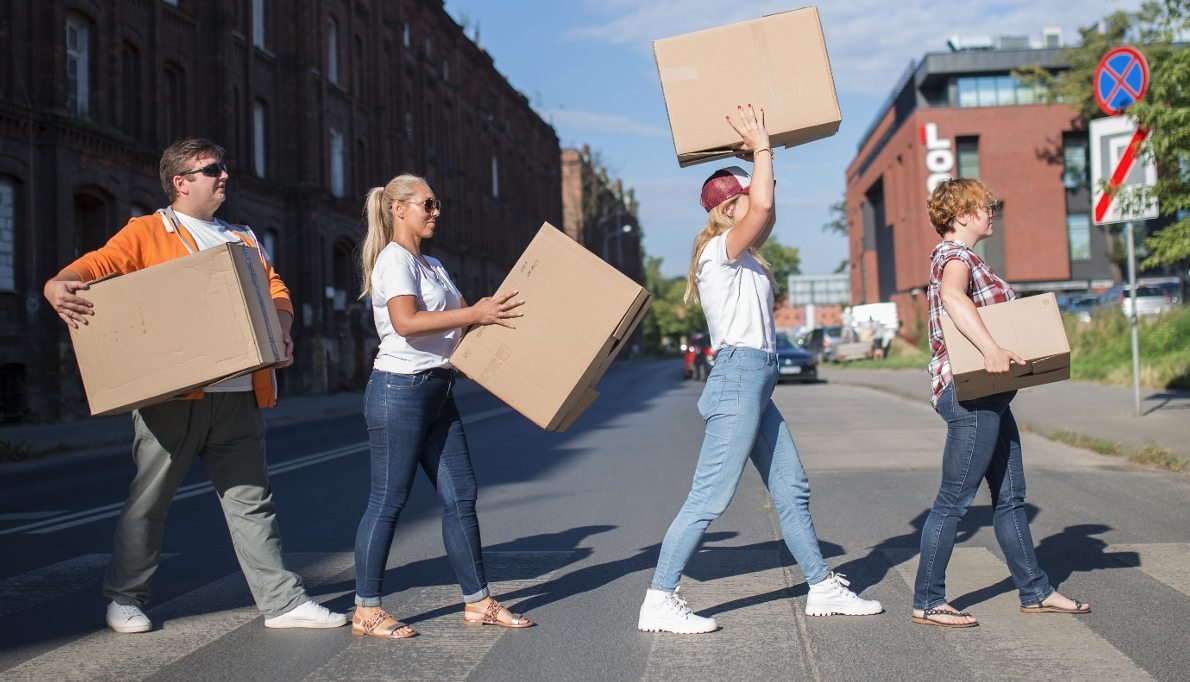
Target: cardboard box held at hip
{"x":579,"y":313}
{"x":1030,"y":327}
{"x":166,"y":330}
{"x":777,"y":63}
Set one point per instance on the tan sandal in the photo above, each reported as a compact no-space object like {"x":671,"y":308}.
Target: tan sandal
{"x":490,"y":616}
{"x":371,"y":626}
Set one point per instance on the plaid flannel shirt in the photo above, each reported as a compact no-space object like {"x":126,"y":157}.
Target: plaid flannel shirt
{"x":984,"y":288}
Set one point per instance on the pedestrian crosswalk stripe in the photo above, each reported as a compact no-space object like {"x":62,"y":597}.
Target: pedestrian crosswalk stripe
{"x":1009,"y":640}
{"x":183,"y":625}
{"x":748,"y":593}
{"x":1166,"y":562}
{"x":447,"y":650}
{"x":107,"y":511}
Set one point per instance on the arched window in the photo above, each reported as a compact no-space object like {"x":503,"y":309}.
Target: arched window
{"x":173,"y":103}
{"x":8,"y":227}
{"x":91,"y":224}
{"x":260,"y":112}
{"x":337,"y":152}
{"x":130,"y":90}
{"x":78,"y":65}
{"x":332,"y":50}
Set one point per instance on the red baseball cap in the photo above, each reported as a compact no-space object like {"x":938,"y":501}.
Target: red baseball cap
{"x":723,"y":185}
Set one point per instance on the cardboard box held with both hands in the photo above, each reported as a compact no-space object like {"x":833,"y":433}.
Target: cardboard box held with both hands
{"x":777,"y":63}
{"x":578,"y":315}
{"x":1030,"y":327}
{"x":164,"y":331}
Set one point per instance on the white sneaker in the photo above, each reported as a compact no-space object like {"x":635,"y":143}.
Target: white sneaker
{"x":126,"y":618}
{"x":310,"y":614}
{"x":831,"y":596}
{"x":666,"y":612}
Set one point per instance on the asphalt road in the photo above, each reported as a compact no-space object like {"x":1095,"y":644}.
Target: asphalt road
{"x":572,"y":524}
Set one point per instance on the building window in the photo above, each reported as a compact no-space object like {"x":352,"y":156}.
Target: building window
{"x":1078,"y":232}
{"x":495,"y":177}
{"x":996,"y":91}
{"x":259,"y":139}
{"x":8,"y":253}
{"x":1074,"y":159}
{"x":361,"y":165}
{"x":357,"y":67}
{"x":409,"y":125}
{"x":446,"y":71}
{"x":336,"y":158}
{"x":173,"y":105}
{"x":78,"y":68}
{"x":130,"y":66}
{"x":258,"y":23}
{"x":332,"y":51}
{"x":429,"y":48}
{"x":967,"y":153}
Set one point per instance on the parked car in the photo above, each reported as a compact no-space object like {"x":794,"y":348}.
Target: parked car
{"x":699,"y":357}
{"x":794,"y":363}
{"x":820,"y":342}
{"x":1150,"y":299}
{"x":1079,"y":305}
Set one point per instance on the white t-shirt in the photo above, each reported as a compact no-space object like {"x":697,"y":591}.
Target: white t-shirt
{"x":737,"y":298}
{"x":208,"y":235}
{"x":398,"y":273}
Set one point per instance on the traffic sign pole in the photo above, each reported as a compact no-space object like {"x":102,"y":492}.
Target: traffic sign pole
{"x":1121,"y":80}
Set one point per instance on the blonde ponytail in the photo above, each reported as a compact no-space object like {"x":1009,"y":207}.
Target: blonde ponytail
{"x":378,"y":215}
{"x":717,"y":223}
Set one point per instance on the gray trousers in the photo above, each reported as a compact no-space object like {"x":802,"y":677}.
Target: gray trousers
{"x":225,"y":431}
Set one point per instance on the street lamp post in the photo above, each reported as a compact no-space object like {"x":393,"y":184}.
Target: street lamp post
{"x":616,"y":234}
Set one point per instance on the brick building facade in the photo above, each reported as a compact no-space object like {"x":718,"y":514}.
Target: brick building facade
{"x":600,"y":214}
{"x":315,"y":103}
{"x":963,"y":114}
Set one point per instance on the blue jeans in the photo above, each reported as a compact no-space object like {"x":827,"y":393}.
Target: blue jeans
{"x":412,"y":419}
{"x":742,"y":423}
{"x":982,"y":441}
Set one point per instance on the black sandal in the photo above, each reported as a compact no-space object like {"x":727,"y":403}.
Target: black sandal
{"x":1042,"y":608}
{"x":924,"y":618}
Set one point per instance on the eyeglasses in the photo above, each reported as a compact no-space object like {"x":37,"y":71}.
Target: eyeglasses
{"x":212,"y":170}
{"x":427,"y":204}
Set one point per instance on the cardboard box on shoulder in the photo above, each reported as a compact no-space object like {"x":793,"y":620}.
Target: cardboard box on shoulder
{"x":778,"y":63}
{"x":579,"y":313}
{"x":1031,"y":327}
{"x":164,"y":331}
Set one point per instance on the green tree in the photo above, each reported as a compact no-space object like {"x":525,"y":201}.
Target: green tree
{"x":785,"y":261}
{"x":838,"y":219}
{"x":669,"y":318}
{"x":1165,"y":110}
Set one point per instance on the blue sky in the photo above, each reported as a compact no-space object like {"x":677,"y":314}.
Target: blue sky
{"x":587,"y":66}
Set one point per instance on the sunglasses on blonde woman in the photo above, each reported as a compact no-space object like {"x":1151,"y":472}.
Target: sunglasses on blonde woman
{"x":428,"y":204}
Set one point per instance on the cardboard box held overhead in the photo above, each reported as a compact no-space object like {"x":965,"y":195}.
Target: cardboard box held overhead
{"x":579,"y":313}
{"x":1030,"y":327}
{"x":166,"y":330}
{"x":778,"y":63}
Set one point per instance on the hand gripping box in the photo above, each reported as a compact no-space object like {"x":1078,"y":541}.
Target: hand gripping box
{"x":166,"y":330}
{"x":1030,"y":327}
{"x":579,"y":313}
{"x":778,"y":63}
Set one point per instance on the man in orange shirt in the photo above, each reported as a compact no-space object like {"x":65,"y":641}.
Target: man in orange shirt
{"x":222,"y":424}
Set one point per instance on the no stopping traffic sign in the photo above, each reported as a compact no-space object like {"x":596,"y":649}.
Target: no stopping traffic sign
{"x":1121,"y":79}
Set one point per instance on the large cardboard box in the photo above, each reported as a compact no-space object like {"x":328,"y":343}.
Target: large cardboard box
{"x":166,"y":330}
{"x":778,"y":63}
{"x":579,"y":313}
{"x":1030,"y":327}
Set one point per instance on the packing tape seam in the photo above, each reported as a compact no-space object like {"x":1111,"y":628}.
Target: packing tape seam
{"x":263,"y":310}
{"x":760,"y":40}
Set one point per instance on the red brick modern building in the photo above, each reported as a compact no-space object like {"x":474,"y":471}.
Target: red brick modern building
{"x":962,"y":114}
{"x":315,"y":103}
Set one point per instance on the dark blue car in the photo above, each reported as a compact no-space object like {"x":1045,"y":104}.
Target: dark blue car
{"x":793,"y":363}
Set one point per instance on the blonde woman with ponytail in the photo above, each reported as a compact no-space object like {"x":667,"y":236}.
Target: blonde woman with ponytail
{"x":732,"y":282}
{"x":409,"y":403}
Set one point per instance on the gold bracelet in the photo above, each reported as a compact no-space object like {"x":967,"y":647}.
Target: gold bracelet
{"x":764,"y":149}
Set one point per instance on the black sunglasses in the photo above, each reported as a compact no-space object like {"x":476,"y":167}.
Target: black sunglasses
{"x":428,"y":205}
{"x":212,"y":170}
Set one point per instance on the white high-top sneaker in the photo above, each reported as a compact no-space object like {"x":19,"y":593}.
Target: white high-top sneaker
{"x":667,"y":612}
{"x":831,"y":596}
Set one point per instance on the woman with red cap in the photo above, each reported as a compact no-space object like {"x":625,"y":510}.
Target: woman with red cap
{"x":733,"y":283}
